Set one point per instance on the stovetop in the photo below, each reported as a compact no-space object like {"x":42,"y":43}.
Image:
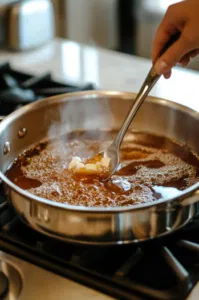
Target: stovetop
{"x":165,"y":268}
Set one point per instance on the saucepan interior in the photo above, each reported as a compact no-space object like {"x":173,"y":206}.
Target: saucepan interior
{"x":89,"y":111}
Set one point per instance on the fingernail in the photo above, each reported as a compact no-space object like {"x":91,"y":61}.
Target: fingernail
{"x":167,"y":75}
{"x":161,"y":67}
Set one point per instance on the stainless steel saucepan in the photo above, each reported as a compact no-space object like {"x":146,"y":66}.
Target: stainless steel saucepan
{"x":91,"y":110}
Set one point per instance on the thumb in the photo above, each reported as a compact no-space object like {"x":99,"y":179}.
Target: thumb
{"x":172,"y":56}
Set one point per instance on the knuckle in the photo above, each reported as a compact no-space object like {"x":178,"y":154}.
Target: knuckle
{"x":171,"y":8}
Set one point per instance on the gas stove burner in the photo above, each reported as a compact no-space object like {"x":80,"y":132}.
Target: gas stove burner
{"x":3,"y":285}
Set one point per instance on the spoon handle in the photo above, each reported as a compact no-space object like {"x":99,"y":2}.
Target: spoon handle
{"x":148,"y":84}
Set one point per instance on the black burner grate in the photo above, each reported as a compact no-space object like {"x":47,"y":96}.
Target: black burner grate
{"x":166,"y":268}
{"x":18,"y":89}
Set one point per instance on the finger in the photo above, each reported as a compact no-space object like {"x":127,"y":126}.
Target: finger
{"x":189,"y":55}
{"x":169,"y":26}
{"x":185,"y":59}
{"x":167,"y":75}
{"x":162,"y":37}
{"x":173,"y":55}
{"x":194,"y":53}
{"x":184,"y":62}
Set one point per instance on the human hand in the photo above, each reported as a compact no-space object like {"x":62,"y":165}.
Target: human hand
{"x":181,"y":17}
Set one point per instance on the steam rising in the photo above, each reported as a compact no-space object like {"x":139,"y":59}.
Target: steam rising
{"x":85,"y":115}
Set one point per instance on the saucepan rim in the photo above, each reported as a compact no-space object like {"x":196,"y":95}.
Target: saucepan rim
{"x":91,"y":95}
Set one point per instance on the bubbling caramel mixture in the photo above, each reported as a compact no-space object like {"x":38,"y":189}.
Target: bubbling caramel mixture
{"x":152,"y":167}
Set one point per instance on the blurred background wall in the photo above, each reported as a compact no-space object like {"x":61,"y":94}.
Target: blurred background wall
{"x":128,"y":26}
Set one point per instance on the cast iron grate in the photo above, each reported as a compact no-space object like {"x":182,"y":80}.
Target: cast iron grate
{"x":18,"y":89}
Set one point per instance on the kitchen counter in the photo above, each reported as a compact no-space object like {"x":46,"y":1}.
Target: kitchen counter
{"x":78,"y":64}
{"x":75,"y":63}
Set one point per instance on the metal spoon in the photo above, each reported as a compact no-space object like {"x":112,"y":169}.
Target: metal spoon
{"x":112,"y":151}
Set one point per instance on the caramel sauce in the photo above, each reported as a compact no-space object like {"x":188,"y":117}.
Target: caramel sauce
{"x":152,"y":167}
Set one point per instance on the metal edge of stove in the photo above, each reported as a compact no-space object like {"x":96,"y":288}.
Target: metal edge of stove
{"x":37,"y":283}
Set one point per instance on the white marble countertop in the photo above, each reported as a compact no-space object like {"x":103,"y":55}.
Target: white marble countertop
{"x":74,"y":63}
